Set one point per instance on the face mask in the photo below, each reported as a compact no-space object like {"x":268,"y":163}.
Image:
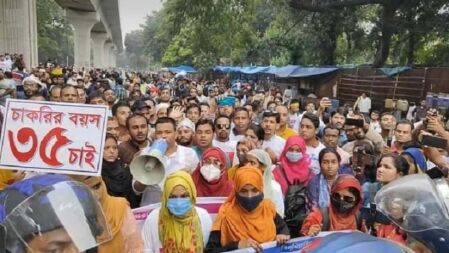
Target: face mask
{"x":210,"y":172}
{"x":294,"y":156}
{"x":179,"y":206}
{"x":342,"y":206}
{"x":249,"y":203}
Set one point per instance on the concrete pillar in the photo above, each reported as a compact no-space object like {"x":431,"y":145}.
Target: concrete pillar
{"x":99,"y":39}
{"x":18,"y":29}
{"x":82,"y":23}
{"x":114,"y":58}
{"x":108,"y":46}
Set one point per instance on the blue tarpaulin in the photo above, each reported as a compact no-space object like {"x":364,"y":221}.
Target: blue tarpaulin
{"x":181,"y":68}
{"x":394,"y":71}
{"x":311,"y":71}
{"x":282,"y":72}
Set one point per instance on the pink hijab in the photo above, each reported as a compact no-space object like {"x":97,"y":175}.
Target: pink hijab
{"x":294,"y":172}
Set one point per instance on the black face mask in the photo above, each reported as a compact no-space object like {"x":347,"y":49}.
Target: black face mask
{"x":249,"y":203}
{"x":242,"y":159}
{"x":342,"y":206}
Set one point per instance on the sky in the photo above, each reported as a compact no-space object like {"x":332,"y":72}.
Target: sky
{"x":133,"y":13}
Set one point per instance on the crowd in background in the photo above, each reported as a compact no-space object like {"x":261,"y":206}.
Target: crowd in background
{"x":289,"y":166}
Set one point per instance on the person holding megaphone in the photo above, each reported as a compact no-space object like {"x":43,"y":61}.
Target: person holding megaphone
{"x":150,"y":167}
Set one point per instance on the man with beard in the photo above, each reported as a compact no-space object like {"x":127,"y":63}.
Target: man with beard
{"x":241,"y":124}
{"x":109,"y":97}
{"x":355,"y":131}
{"x":137,"y":126}
{"x":387,"y":123}
{"x":176,"y":158}
{"x":112,"y":127}
{"x":226,"y":106}
{"x":81,"y":95}
{"x":121,"y":112}
{"x":186,"y":133}
{"x":32,"y":86}
{"x":222,"y":131}
{"x":338,"y":120}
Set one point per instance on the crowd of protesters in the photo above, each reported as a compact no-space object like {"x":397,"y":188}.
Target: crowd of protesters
{"x":289,"y":166}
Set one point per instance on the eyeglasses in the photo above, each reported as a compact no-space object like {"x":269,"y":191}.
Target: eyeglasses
{"x":223,"y":126}
{"x":346,"y":199}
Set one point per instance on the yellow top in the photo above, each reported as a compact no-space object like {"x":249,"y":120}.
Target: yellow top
{"x":287,"y":133}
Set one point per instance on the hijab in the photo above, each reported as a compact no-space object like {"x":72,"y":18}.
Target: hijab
{"x":180,"y":234}
{"x":347,"y":221}
{"x":293,"y":172}
{"x":235,"y":223}
{"x":114,"y":209}
{"x":116,"y":177}
{"x":263,"y":158}
{"x":418,"y":158}
{"x":223,"y":187}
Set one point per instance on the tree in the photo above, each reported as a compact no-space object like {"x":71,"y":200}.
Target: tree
{"x":55,"y":36}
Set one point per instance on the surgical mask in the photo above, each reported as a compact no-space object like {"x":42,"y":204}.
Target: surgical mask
{"x":179,"y":206}
{"x":294,"y":156}
{"x":249,"y":203}
{"x":342,"y":206}
{"x":210,"y":172}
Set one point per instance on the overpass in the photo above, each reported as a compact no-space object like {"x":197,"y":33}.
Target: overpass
{"x":96,"y":27}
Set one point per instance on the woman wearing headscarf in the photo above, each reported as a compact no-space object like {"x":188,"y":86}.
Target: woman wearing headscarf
{"x":416,"y":160}
{"x":178,"y":226}
{"x":126,"y":236}
{"x":211,"y":176}
{"x":246,"y":219}
{"x":319,"y":186}
{"x":271,"y":189}
{"x":345,"y":202}
{"x":116,"y":175}
{"x":294,"y":164}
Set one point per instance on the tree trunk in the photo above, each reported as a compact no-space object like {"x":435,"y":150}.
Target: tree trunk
{"x":383,"y":48}
{"x":411,"y":38}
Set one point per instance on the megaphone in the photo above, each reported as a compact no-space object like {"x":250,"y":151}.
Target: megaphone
{"x":148,"y":168}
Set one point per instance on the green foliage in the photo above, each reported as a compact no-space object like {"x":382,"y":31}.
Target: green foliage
{"x":55,"y":36}
{"x":205,"y":33}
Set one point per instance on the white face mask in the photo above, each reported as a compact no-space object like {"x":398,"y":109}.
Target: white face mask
{"x":210,"y":172}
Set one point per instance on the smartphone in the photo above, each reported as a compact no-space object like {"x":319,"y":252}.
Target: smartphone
{"x":434,"y":142}
{"x":435,"y":173}
{"x":354,"y":122}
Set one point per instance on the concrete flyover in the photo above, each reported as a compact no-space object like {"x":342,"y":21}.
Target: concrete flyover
{"x":96,"y":28}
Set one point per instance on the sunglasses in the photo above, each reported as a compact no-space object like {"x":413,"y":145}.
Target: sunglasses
{"x":346,"y":199}
{"x":223,"y":126}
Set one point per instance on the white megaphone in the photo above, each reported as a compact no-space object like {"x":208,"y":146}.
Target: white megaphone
{"x":148,"y":168}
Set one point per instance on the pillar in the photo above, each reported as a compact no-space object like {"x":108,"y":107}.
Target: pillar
{"x":99,"y":39}
{"x":82,"y":23}
{"x":108,"y":47}
{"x":114,"y":58}
{"x":18,"y":29}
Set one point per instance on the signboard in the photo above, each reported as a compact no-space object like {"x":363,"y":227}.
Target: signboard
{"x":51,"y":137}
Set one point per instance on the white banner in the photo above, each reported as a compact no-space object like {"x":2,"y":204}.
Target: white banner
{"x":53,"y":137}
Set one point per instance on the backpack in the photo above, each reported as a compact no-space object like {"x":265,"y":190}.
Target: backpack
{"x":295,"y":206}
{"x":326,"y":222}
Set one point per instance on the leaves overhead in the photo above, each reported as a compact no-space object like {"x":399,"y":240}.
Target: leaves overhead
{"x":205,"y":33}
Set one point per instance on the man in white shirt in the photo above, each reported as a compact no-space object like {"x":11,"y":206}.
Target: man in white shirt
{"x":222,"y":131}
{"x":176,"y":158}
{"x":272,"y":142}
{"x":363,"y":103}
{"x":308,"y":130}
{"x":241,"y":122}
